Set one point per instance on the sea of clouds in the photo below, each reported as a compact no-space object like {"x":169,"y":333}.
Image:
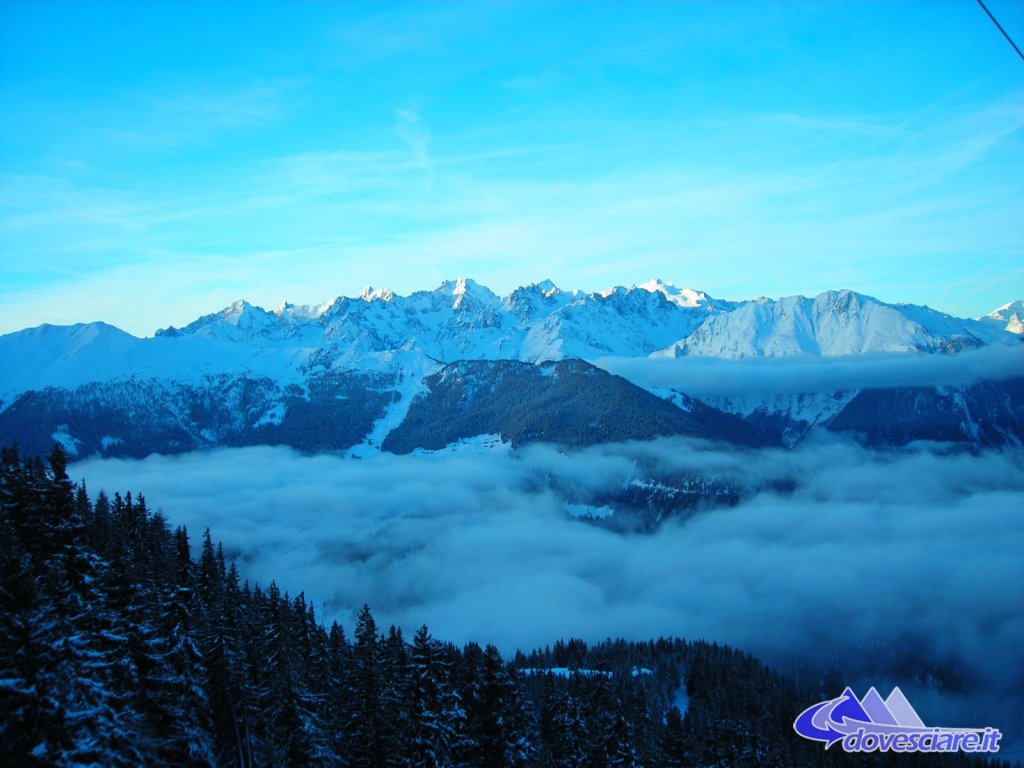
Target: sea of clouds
{"x":916,"y":552}
{"x":709,"y":376}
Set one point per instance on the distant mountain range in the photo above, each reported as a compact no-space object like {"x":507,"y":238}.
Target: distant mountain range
{"x":400,"y":373}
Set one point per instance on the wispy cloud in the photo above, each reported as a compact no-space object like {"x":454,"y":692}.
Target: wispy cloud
{"x":967,"y":139}
{"x":198,"y":115}
{"x":400,"y":32}
{"x":415,"y":135}
{"x":831,"y":128}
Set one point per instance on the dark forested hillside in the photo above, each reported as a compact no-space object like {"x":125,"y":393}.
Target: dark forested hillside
{"x":987,"y":413}
{"x":138,"y":417}
{"x":569,"y":402}
{"x":119,"y":648}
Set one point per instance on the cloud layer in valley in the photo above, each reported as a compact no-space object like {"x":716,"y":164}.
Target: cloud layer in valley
{"x":705,"y":376}
{"x":917,"y":551}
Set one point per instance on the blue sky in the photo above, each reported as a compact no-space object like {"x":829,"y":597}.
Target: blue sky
{"x":160,"y":160}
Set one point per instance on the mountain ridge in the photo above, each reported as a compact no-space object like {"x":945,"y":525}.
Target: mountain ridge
{"x":462,"y":319}
{"x":346,"y":374}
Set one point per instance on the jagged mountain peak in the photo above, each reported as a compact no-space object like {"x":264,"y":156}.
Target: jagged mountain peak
{"x":301,"y":314}
{"x":617,"y":290}
{"x":240,"y":315}
{"x":546,"y":287}
{"x":845,"y":294}
{"x":461,"y":286}
{"x":464,"y":292}
{"x":682,"y":297}
{"x":241,"y":311}
{"x":1011,"y":307}
{"x":369,"y":293}
{"x":1009,"y":317}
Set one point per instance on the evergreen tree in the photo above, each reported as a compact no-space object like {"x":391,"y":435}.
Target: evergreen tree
{"x":498,"y":723}
{"x":337,"y":702}
{"x":223,"y":661}
{"x":672,"y":742}
{"x":433,"y":716}
{"x":31,"y":724}
{"x":179,"y":677}
{"x":366,"y":726}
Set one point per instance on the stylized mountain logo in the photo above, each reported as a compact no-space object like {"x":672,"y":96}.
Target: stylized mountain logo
{"x":871,"y":724}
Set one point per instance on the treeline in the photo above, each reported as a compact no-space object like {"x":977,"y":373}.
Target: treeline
{"x":119,"y":648}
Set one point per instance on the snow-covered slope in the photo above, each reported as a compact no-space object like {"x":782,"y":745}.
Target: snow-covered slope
{"x":832,"y":324}
{"x":69,"y":356}
{"x":1009,"y":317}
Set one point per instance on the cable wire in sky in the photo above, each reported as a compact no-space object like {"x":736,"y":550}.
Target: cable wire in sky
{"x":1000,"y":28}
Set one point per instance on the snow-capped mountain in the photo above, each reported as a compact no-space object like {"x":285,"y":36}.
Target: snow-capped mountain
{"x":1009,"y":317}
{"x":346,"y":374}
{"x":462,"y":320}
{"x":832,"y":324}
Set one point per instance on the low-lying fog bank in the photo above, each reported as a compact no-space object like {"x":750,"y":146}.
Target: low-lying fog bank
{"x":909,"y":560}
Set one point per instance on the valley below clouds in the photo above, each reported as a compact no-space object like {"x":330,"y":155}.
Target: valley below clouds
{"x":883,"y":565}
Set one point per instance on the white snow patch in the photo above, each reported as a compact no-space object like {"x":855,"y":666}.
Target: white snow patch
{"x":471,"y":446}
{"x":681,"y":297}
{"x":67,"y":442}
{"x":273,"y":416}
{"x":563,"y":672}
{"x":108,"y":440}
{"x":412,"y":370}
{"x":678,"y":399}
{"x":681,"y":699}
